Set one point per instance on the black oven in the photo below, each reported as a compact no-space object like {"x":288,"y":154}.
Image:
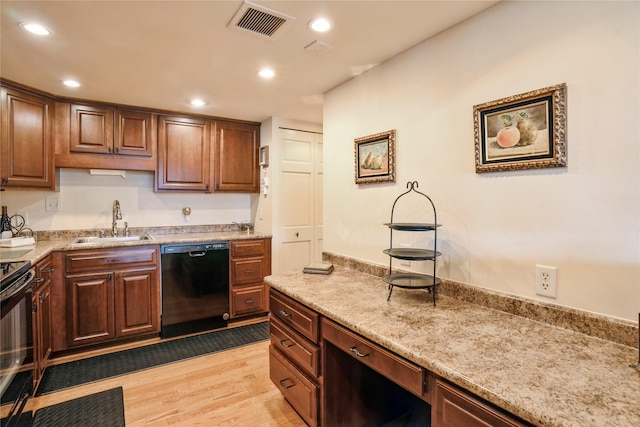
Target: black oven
{"x":16,"y":373}
{"x":195,"y":287}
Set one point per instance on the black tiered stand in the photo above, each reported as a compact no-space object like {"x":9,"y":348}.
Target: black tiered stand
{"x":413,"y":280}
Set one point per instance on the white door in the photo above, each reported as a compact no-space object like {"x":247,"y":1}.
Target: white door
{"x":300,"y":200}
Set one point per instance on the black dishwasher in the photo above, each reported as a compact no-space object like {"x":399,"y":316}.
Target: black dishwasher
{"x":195,"y":287}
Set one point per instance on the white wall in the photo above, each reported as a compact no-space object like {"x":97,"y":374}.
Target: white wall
{"x":87,"y":203}
{"x":583,"y":219}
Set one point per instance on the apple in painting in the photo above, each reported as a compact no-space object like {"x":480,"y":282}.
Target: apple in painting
{"x":508,"y":137}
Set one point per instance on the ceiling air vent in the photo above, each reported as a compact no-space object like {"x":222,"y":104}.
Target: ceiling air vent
{"x":260,"y":20}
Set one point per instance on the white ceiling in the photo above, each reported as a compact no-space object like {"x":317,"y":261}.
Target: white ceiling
{"x":160,"y":54}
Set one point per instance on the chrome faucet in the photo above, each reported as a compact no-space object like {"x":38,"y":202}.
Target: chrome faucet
{"x":117,"y":214}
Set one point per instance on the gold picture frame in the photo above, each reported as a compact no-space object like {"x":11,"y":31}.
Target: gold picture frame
{"x":525,"y":131}
{"x":375,"y":158}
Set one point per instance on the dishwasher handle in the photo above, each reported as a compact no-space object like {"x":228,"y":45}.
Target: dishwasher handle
{"x":196,"y":254}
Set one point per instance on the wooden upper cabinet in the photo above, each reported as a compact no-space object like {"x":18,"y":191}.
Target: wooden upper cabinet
{"x":183,"y":154}
{"x":91,"y":130}
{"x":103,"y":137}
{"x":235,"y":158}
{"x":26,"y":142}
{"x":133,"y":133}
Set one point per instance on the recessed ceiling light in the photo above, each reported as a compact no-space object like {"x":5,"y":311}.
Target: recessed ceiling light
{"x":36,"y":29}
{"x":320,"y":25}
{"x":197,"y":103}
{"x":266,"y":73}
{"x":71,"y":83}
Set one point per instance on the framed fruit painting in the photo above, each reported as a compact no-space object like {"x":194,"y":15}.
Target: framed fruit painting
{"x":525,"y":131}
{"x":375,"y":158}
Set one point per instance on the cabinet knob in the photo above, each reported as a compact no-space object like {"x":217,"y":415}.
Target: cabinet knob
{"x":285,"y":314}
{"x":38,"y":280}
{"x":43,"y":297}
{"x":5,"y":180}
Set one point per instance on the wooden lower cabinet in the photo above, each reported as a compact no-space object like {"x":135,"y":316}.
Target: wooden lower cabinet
{"x":334,"y":377}
{"x":111,"y":294}
{"x":294,"y":355}
{"x":41,"y":318}
{"x":249,"y":263}
{"x":300,"y":391}
{"x":456,"y":408}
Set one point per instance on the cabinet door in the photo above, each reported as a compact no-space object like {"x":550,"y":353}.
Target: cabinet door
{"x":42,"y":338}
{"x":91,"y":129}
{"x":183,"y":154}
{"x":455,"y":408}
{"x":137,"y":302}
{"x":90,"y":308}
{"x":236,"y":157}
{"x":248,"y":300}
{"x":133,"y":134}
{"x":26,"y":146}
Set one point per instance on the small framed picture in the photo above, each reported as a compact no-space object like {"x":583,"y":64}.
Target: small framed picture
{"x":375,"y":158}
{"x":264,"y":155}
{"x":526,"y":131}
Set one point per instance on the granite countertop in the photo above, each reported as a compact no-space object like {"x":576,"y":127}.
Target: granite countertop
{"x":41,"y":249}
{"x":544,"y":374}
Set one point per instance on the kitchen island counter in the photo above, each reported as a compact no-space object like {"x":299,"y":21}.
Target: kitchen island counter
{"x":548,"y":376}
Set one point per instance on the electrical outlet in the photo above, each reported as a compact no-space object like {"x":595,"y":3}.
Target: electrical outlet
{"x":546,"y":281}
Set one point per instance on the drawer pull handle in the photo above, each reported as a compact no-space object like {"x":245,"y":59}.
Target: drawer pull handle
{"x":284,"y":344}
{"x":285,"y":314}
{"x":355,"y":351}
{"x":248,"y":301}
{"x":284,"y":385}
{"x":248,"y":271}
{"x":47,"y":270}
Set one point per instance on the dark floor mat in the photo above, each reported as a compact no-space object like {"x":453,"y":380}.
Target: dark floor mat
{"x":104,"y":409}
{"x":84,"y":371}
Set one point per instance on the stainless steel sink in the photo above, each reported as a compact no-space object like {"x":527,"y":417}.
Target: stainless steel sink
{"x":98,"y":240}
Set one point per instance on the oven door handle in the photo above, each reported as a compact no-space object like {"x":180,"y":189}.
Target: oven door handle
{"x":19,"y":284}
{"x":194,"y":254}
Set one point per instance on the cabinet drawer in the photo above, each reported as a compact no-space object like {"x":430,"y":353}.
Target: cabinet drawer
{"x":109,"y":259}
{"x":248,"y":300}
{"x":245,"y":248}
{"x":297,"y":316}
{"x":295,"y":347}
{"x":299,"y":391}
{"x":402,"y":372}
{"x":247,"y":271}
{"x":455,"y":408}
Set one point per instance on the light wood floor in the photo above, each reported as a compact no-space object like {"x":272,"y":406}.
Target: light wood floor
{"x":229,"y":388}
